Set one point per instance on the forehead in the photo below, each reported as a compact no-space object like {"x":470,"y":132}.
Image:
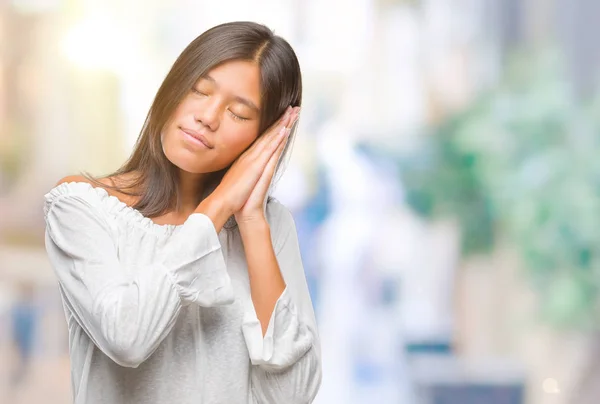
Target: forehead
{"x":237,"y":78}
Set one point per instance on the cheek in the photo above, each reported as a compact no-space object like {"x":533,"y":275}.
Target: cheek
{"x":184,"y":109}
{"x":174,"y":120}
{"x":236,"y":141}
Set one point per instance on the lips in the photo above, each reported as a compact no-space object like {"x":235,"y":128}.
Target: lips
{"x":198,"y":136}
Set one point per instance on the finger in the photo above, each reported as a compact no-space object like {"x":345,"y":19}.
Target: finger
{"x":281,"y":122}
{"x":288,"y":122}
{"x":279,"y":152}
{"x":269,"y":141}
{"x":278,"y":145}
{"x":256,"y":164}
{"x":286,"y":137}
{"x":273,"y":148}
{"x":269,"y":170}
{"x":264,"y":167}
{"x":273,"y":132}
{"x":285,"y":115}
{"x":257,"y":148}
{"x":295,"y":115}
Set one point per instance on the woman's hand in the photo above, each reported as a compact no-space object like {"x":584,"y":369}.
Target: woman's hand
{"x":254,"y":207}
{"x":249,"y":177}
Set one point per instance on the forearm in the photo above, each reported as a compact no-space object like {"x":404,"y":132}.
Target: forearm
{"x":266,"y":281}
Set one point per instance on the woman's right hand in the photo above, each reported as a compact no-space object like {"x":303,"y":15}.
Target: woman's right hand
{"x":239,"y":181}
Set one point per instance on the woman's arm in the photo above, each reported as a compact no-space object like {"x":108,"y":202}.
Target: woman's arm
{"x":128,"y":311}
{"x":266,"y":281}
{"x":281,"y":333}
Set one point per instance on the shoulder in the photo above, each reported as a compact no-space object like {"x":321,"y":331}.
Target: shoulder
{"x":81,"y":179}
{"x":75,"y":187}
{"x":71,"y":178}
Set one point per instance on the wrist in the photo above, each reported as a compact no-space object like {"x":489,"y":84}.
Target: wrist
{"x":216,"y":210}
{"x":252,"y":224}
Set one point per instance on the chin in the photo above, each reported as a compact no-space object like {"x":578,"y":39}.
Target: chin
{"x":190,"y":165}
{"x":188,"y":162}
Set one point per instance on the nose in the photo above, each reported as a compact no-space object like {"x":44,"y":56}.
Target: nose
{"x":208,"y":114}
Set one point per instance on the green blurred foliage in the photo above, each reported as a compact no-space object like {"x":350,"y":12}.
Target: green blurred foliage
{"x":522,"y":163}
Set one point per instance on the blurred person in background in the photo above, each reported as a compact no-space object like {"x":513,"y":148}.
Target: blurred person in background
{"x":24,"y":316}
{"x":181,"y":277}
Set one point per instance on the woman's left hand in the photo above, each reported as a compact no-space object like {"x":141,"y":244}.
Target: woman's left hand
{"x":252,"y":210}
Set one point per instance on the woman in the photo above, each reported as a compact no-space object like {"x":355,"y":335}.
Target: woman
{"x":180,"y":283}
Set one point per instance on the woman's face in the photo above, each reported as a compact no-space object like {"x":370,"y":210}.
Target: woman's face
{"x":217,"y":120}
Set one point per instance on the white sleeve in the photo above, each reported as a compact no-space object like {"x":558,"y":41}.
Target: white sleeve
{"x":125,"y":315}
{"x":286,"y":362}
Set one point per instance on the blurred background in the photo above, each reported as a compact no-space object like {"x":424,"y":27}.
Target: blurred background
{"x":444,"y":183}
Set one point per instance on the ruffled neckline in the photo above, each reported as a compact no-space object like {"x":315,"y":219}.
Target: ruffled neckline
{"x":118,"y":208}
{"x":111,"y":203}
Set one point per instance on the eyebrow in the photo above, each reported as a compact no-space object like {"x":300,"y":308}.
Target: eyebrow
{"x":238,"y":99}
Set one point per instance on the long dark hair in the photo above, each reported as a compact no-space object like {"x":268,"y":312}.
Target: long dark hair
{"x":156,"y":180}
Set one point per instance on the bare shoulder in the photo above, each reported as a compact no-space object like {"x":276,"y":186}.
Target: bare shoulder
{"x":72,"y":178}
{"x":108,"y":184}
{"x":81,"y":178}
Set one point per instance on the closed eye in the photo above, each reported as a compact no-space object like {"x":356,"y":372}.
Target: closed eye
{"x":237,"y":117}
{"x":196,"y":91}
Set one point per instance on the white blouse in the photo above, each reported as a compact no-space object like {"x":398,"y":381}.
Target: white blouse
{"x":163,"y":313}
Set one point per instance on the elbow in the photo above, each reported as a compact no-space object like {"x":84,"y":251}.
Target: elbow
{"x":129,"y":356}
{"x":122,"y":338}
{"x":125,"y":348}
